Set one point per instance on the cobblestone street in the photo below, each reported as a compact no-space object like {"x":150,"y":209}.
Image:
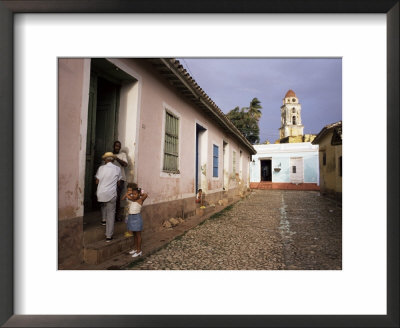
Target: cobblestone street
{"x":268,"y":230}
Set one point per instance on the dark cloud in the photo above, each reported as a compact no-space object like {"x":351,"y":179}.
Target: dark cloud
{"x":232,"y":82}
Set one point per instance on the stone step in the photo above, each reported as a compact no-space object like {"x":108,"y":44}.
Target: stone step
{"x":100,"y":251}
{"x":96,"y":232}
{"x":264,"y":185}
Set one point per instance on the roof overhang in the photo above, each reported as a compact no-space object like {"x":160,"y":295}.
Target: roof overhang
{"x":180,"y":79}
{"x":325,"y":130}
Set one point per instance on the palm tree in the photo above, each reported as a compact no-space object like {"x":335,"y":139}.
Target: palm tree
{"x":246,"y":120}
{"x":254,"y":108}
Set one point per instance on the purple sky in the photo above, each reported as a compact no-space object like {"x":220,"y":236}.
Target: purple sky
{"x":232,"y":82}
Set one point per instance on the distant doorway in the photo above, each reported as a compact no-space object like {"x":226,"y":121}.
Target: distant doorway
{"x":266,"y":170}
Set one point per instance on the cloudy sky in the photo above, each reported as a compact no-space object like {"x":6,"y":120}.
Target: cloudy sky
{"x":235,"y":81}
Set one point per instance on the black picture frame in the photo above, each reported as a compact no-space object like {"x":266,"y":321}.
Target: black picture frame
{"x":10,"y":7}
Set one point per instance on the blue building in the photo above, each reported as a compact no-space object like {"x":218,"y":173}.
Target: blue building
{"x":285,"y":166}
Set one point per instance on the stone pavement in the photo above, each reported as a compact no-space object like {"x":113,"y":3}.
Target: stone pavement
{"x":152,"y":240}
{"x":268,"y":230}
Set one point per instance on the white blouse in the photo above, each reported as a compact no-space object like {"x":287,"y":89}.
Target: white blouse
{"x":134,"y":208}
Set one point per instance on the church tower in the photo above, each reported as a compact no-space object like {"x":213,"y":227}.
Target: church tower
{"x":290,"y":116}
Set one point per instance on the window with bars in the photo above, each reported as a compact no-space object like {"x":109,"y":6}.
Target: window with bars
{"x":293,"y":169}
{"x":324,"y":158}
{"x":171,"y":144}
{"x":215,"y":161}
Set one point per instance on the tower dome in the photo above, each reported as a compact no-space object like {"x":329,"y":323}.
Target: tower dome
{"x":290,"y":93}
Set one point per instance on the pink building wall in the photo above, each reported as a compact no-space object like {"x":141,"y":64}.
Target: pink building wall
{"x":72,"y":120}
{"x":143,"y":101}
{"x":157,"y":94}
{"x":70,"y":139}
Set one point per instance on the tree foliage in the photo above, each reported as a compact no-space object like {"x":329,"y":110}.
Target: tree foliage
{"x":246,"y":120}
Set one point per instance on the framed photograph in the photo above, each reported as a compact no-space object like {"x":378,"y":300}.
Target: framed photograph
{"x":36,"y":293}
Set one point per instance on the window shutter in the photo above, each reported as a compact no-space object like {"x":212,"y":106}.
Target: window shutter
{"x":171,"y":143}
{"x":215,"y":161}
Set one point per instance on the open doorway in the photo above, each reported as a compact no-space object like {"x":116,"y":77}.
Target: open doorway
{"x":101,"y":130}
{"x":106,"y":83}
{"x":199,"y":158}
{"x":225,"y":166}
{"x":266,"y":174}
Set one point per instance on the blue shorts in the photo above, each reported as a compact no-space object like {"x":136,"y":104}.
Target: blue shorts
{"x":135,"y":222}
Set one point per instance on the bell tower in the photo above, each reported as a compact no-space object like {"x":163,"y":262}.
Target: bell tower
{"x":290,"y":116}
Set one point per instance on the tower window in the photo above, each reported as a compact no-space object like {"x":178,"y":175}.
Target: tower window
{"x":293,"y":110}
{"x":293,"y":100}
{"x":294,"y":120}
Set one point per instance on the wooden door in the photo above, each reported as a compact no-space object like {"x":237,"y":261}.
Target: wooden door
{"x":296,"y":170}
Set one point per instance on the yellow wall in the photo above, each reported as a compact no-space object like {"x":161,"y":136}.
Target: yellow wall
{"x":330,"y":179}
{"x":309,"y":137}
{"x":297,"y":139}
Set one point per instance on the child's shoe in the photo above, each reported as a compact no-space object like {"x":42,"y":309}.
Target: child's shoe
{"x":137,"y":254}
{"x":128,"y":234}
{"x":133,"y":251}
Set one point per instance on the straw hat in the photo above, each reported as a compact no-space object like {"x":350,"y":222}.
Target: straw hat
{"x":108,"y":154}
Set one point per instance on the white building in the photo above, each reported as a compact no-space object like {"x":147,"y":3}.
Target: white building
{"x":285,"y":166}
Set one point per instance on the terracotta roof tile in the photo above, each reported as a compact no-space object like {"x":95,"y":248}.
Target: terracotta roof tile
{"x":290,"y":93}
{"x":201,"y":96}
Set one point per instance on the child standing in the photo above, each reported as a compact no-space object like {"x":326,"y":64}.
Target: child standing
{"x":199,"y":197}
{"x":135,"y":221}
{"x":129,"y":190}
